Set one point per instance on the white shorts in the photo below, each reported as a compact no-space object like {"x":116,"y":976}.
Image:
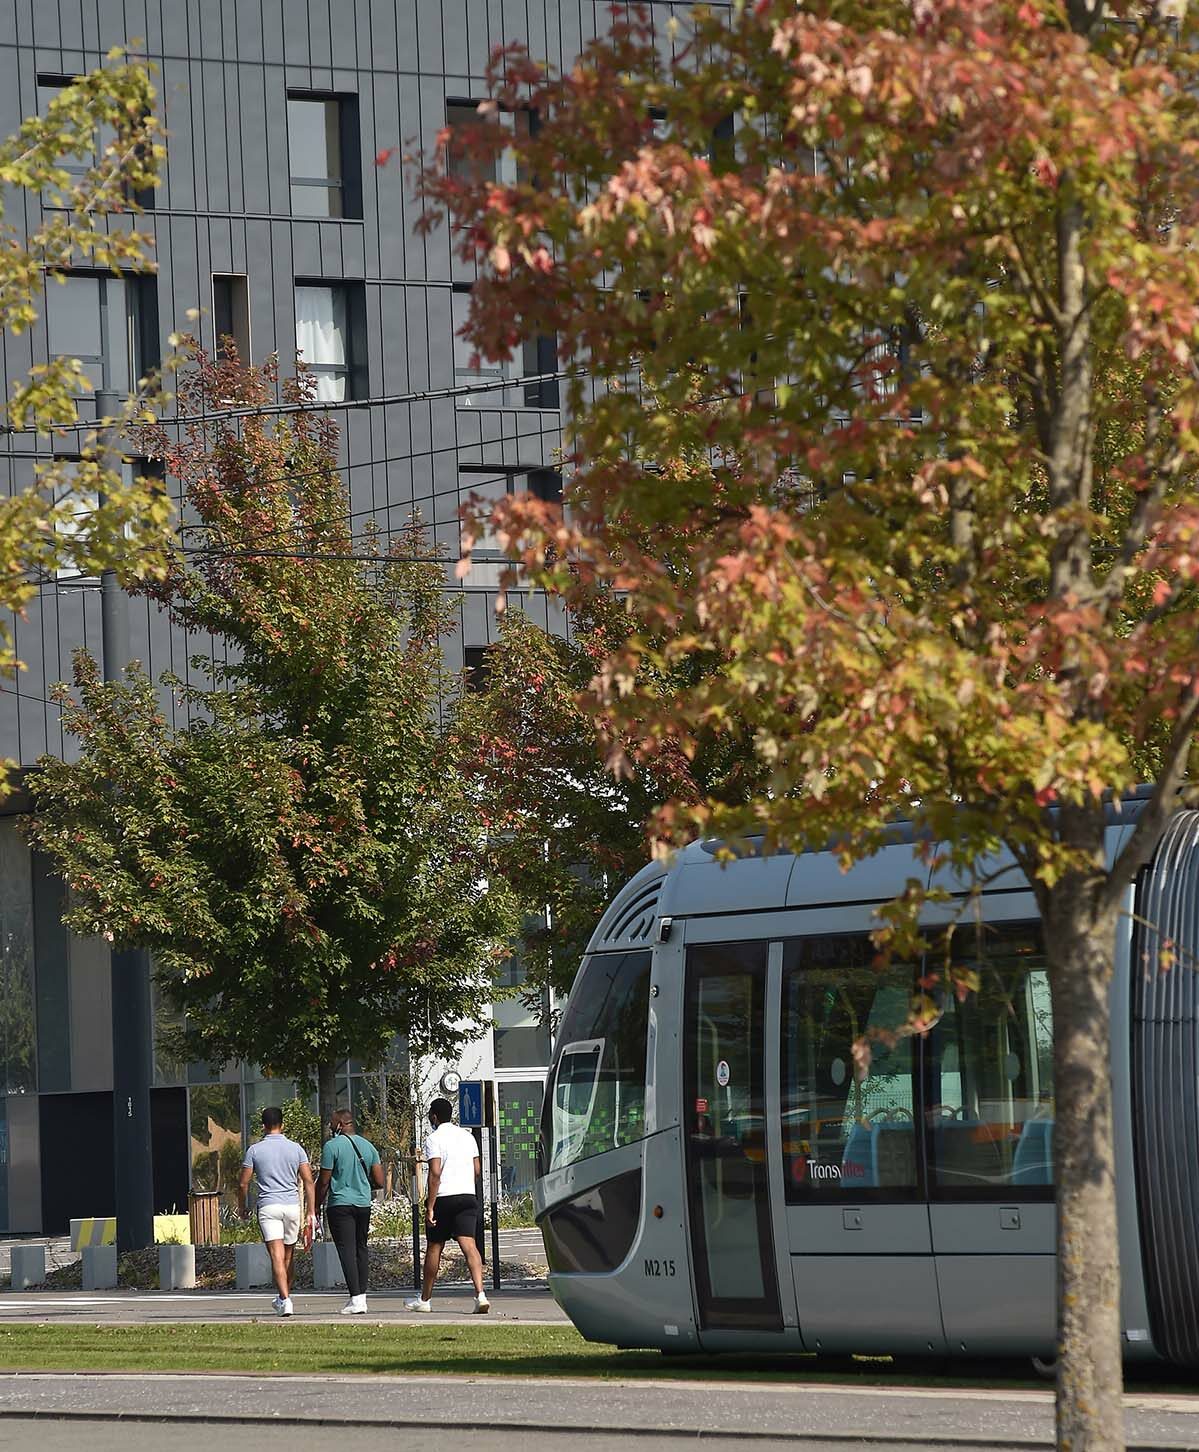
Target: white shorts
{"x":279,"y":1222}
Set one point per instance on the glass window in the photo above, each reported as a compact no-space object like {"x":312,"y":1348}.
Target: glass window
{"x":18,"y":1036}
{"x":92,"y":317}
{"x":991,"y":1111}
{"x":518,"y":1110}
{"x":216,"y":1142}
{"x":595,"y":1095}
{"x":538,"y":357}
{"x":231,"y":315}
{"x":322,"y":338}
{"x":314,"y":152}
{"x":849,"y":1126}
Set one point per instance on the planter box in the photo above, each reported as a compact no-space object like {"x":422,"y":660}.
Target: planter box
{"x":326,"y":1267}
{"x":28,"y":1266}
{"x":99,"y":1267}
{"x":253,"y":1266}
{"x":176,"y":1267}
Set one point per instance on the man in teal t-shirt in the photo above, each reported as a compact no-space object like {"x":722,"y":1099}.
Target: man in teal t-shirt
{"x":350,"y":1166}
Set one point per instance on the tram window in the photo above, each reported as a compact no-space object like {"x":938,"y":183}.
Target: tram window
{"x":595,"y":1093}
{"x":849,"y":1128}
{"x":991,"y":1111}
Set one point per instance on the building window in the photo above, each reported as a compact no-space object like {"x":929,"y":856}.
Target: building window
{"x":231,"y":315}
{"x":546,"y":485}
{"x":330,"y":324}
{"x":460,"y":161}
{"x":82,"y":501}
{"x":107,"y":322}
{"x":476,"y":667}
{"x":323,"y":150}
{"x":77,"y":167}
{"x":538,"y":356}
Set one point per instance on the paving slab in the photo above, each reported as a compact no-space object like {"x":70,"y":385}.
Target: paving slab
{"x":451,"y":1304}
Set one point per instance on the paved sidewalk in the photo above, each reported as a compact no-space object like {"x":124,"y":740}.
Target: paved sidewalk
{"x":662,"y":1410}
{"x":451,"y":1304}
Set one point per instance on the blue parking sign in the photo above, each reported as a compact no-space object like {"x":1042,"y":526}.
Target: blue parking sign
{"x":470,"y":1103}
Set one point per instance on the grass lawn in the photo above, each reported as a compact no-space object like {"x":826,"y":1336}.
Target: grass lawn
{"x":487,"y":1350}
{"x":504,"y":1350}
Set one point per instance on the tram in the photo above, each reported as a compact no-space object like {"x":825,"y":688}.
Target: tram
{"x":716,"y":1173}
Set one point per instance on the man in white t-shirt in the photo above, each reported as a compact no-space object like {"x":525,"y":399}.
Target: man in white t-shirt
{"x":451,"y":1209}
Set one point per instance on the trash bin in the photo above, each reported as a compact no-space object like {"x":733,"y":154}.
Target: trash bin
{"x":204,"y":1212}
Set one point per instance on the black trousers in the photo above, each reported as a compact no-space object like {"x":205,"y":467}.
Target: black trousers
{"x":348,"y":1225}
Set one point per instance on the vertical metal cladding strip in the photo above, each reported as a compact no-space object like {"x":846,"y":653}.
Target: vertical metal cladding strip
{"x":1165,"y":1022}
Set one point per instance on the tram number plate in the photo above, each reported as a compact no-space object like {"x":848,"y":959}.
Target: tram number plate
{"x":659,"y":1267}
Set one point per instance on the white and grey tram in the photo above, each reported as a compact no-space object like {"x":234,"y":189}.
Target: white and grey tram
{"x":716,"y":1173}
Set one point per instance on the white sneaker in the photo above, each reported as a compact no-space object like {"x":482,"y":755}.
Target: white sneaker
{"x":286,"y":1309}
{"x":417,"y":1304}
{"x":355,"y":1306}
{"x":277,"y":1305}
{"x":482,"y":1304}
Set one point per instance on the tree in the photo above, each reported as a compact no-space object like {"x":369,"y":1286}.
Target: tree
{"x":97,"y":146}
{"x":938,"y":290}
{"x":302,"y":857}
{"x":566,"y":831}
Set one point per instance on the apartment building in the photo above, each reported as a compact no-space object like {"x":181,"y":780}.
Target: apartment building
{"x":274,"y":221}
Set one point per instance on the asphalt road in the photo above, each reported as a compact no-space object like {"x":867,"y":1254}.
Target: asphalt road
{"x":519,"y":1413}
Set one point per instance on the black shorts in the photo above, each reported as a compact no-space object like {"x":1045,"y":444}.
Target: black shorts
{"x":453,"y":1217}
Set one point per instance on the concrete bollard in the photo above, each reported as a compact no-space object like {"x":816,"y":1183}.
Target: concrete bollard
{"x":326,"y":1267}
{"x":176,"y":1267}
{"x":253,"y":1266}
{"x":28,"y":1266}
{"x":99,"y":1267}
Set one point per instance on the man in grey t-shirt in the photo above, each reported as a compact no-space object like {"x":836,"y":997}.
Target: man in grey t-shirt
{"x":279,"y":1164}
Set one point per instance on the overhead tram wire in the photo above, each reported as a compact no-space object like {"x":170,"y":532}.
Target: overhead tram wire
{"x":277,"y":410}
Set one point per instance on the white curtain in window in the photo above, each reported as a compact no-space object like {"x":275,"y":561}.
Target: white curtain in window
{"x":321,"y":338}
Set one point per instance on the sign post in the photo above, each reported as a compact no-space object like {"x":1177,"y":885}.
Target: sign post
{"x":476,"y":1111}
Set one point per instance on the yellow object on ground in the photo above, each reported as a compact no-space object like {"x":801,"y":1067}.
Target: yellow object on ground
{"x":94,"y":1230}
{"x":102,"y":1230}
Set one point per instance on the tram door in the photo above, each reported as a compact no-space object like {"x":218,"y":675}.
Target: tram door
{"x":857,"y":1216}
{"x":725,"y":1135}
{"x":989,"y":1088}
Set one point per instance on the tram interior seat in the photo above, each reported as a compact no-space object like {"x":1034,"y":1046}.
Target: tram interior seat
{"x":880,"y":1153}
{"x":1032,"y":1163}
{"x":967,"y":1153}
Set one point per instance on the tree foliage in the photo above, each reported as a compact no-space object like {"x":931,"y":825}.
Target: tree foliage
{"x":937,"y":293}
{"x":302,"y":857}
{"x":566,"y":830}
{"x":81,"y":165}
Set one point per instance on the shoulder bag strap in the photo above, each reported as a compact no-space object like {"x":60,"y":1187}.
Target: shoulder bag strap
{"x":361,"y":1161}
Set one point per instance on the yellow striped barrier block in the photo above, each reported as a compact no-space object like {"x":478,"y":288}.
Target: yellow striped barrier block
{"x":102,"y":1230}
{"x":94,"y":1230}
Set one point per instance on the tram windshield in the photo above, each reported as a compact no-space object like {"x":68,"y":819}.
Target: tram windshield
{"x":595,"y":1092}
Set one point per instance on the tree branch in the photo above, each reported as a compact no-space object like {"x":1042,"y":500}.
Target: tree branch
{"x":1152,"y":821}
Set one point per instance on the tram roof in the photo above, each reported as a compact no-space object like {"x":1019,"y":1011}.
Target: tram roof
{"x":696,"y":882}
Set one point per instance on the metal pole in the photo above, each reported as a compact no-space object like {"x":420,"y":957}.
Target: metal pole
{"x":493,"y":1167}
{"x":132,"y":1010}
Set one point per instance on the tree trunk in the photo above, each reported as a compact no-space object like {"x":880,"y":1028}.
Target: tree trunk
{"x":1081,"y":942}
{"x":326,"y":1096}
